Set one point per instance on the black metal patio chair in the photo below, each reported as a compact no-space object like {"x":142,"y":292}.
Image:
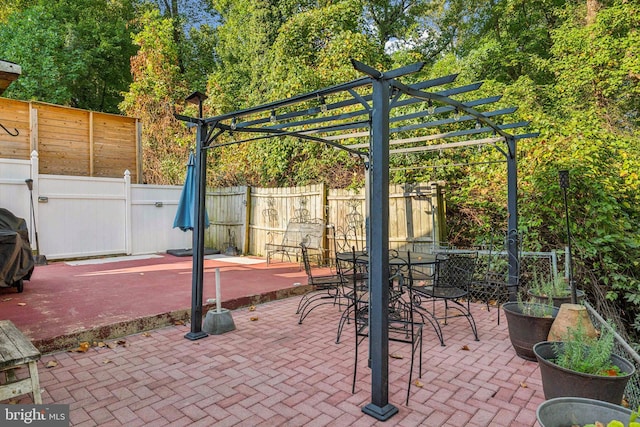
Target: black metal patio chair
{"x":325,"y":289}
{"x":403,"y":325}
{"x":451,"y":286}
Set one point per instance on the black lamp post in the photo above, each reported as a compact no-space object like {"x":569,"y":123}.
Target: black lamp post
{"x":197,"y":272}
{"x":563,"y":177}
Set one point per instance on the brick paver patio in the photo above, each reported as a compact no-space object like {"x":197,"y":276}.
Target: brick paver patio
{"x":274,"y":372}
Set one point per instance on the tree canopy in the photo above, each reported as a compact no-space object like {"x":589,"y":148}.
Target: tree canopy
{"x":572,"y":67}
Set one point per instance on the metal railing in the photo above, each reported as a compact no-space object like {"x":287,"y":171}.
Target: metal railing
{"x":624,"y":350}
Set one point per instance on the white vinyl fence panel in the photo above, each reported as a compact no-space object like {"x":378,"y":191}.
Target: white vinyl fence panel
{"x":81,"y":215}
{"x":14,"y":193}
{"x":153,"y":209}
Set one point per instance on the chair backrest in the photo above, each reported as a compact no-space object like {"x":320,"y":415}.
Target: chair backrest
{"x":455,"y":270}
{"x":307,"y":264}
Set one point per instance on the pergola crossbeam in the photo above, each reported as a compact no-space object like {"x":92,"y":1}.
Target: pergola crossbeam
{"x":452,"y":134}
{"x":438,"y":147}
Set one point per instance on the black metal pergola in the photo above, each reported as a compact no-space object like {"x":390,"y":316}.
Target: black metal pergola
{"x":374,"y":108}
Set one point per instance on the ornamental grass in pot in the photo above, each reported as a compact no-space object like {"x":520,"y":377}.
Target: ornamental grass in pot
{"x":555,"y":291}
{"x":528,"y":323}
{"x":583,"y":367}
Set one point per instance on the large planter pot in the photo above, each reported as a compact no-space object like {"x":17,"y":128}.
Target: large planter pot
{"x":568,"y":411}
{"x":557,"y":301}
{"x":526,"y":330}
{"x":561,"y":382}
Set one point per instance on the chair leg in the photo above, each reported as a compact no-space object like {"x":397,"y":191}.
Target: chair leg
{"x":311,"y":300}
{"x":344,"y":318}
{"x":433,"y":320}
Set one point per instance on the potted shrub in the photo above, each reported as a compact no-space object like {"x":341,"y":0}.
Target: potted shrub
{"x":583,"y":412}
{"x":583,"y":367}
{"x":556,"y":291}
{"x":528,"y":323}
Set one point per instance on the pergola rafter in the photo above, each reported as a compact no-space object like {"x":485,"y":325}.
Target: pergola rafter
{"x":382,"y":99}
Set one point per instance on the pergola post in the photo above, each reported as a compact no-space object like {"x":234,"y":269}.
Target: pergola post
{"x":512,"y":218}
{"x":378,"y":223}
{"x":197,"y":270}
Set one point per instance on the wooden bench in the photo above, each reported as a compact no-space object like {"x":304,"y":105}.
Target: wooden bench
{"x":297,"y":233}
{"x":15,"y":351}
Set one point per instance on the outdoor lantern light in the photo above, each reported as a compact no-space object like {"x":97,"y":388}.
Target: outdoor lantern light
{"x":563,"y":177}
{"x":234,"y":123}
{"x":197,"y":98}
{"x":272,"y":117}
{"x":323,"y":104}
{"x":430,"y":107}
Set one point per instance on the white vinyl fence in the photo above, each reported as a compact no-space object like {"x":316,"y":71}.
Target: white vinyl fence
{"x":84,"y":216}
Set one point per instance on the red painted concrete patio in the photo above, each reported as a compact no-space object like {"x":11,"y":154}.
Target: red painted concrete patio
{"x":65,"y":303}
{"x":270,"y":371}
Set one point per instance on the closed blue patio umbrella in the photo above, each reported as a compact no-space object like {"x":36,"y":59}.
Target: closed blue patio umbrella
{"x":186,"y":215}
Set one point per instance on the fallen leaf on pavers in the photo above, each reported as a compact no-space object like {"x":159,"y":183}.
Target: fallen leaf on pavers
{"x":122,"y":343}
{"x":146,"y":334}
{"x":6,"y":299}
{"x":465,"y":348}
{"x":252,"y":308}
{"x":51,"y":364}
{"x":112,"y":344}
{"x":396,"y":356}
{"x":22,"y":304}
{"x":82,"y":348}
{"x":418,"y":383}
{"x":13,"y":402}
{"x":253,"y":318}
{"x":105,"y":361}
{"x":523,"y":385}
{"x":101,"y":344}
{"x":178,"y":323}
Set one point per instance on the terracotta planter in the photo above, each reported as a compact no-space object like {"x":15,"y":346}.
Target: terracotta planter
{"x":571,"y":316}
{"x":526,"y":330}
{"x":561,"y":382}
{"x":557,"y":301}
{"x":567,"y":411}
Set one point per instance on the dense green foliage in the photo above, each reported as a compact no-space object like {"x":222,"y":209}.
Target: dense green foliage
{"x":73,"y":52}
{"x":572,"y":68}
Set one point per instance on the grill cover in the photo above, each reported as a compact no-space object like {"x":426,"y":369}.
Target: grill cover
{"x":16,"y":258}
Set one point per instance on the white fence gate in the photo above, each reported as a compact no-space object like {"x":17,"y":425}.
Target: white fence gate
{"x":86,"y":216}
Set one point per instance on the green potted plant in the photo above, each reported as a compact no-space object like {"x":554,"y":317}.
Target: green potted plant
{"x":528,"y":323}
{"x":583,"y":412}
{"x":582,"y":366}
{"x":554,"y":290}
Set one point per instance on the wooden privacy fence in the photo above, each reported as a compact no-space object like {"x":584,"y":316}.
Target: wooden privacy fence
{"x":416,"y":216}
{"x":79,"y":216}
{"x":71,"y":141}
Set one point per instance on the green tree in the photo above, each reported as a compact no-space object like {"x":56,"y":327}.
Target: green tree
{"x":156,"y":89}
{"x":73,"y":53}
